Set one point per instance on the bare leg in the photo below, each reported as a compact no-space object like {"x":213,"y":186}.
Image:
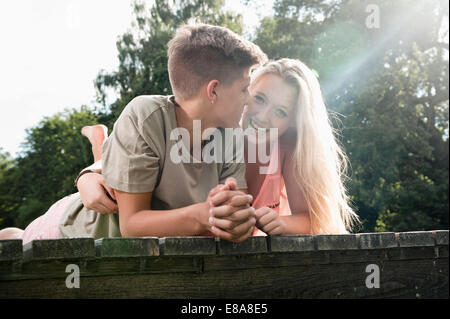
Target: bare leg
{"x":11,"y":233}
{"x":97,"y":135}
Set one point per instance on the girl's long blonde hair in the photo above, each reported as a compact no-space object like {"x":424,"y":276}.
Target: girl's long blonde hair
{"x":320,"y":163}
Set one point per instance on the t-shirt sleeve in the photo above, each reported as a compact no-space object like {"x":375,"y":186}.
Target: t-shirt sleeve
{"x":130,"y":158}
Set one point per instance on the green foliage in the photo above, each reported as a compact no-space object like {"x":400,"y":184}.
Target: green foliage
{"x":9,"y":201}
{"x":54,"y":152}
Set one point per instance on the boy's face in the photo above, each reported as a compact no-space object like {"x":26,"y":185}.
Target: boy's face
{"x":231,"y":100}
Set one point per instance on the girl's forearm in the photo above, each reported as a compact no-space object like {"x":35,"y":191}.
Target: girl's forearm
{"x":297,"y":224}
{"x":186,"y":221}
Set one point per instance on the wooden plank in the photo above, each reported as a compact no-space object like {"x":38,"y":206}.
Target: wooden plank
{"x":127,"y":247}
{"x":405,"y":253}
{"x":316,"y":257}
{"x":59,"y":248}
{"x":441,"y":251}
{"x":291,"y":243}
{"x":441,"y":266}
{"x":113,"y":265}
{"x":398,"y":279}
{"x":173,"y":264}
{"x":414,"y":239}
{"x":47,"y":268}
{"x":337,"y":242}
{"x":134,"y":265}
{"x":377,"y":240}
{"x":269,"y":260}
{"x":10,"y":257}
{"x":10,"y":269}
{"x":193,"y":246}
{"x":107,"y":266}
{"x":253,"y":245}
{"x":10,"y":249}
{"x":441,"y":237}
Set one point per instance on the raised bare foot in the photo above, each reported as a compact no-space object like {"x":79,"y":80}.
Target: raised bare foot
{"x":96,"y":134}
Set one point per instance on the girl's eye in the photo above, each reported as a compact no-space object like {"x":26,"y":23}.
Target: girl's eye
{"x":280,"y":113}
{"x":258,"y":99}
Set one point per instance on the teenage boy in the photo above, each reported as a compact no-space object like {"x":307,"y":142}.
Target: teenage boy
{"x":209,"y":70}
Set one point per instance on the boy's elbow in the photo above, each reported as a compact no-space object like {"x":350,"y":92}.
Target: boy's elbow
{"x":127,"y":229}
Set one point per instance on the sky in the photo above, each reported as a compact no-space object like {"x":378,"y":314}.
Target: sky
{"x":52,"y":50}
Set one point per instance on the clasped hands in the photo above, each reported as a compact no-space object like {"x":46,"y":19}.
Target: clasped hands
{"x":231,"y":216}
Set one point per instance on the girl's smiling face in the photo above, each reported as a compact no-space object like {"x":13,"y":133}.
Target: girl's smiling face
{"x":272,"y":104}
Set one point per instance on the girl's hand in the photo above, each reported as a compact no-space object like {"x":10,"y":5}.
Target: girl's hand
{"x":94,"y":193}
{"x":269,"y":221}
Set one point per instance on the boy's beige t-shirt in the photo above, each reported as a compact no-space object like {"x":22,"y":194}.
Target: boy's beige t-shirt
{"x":136,"y":159}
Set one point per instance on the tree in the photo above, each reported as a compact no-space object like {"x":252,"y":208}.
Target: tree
{"x":8,"y":200}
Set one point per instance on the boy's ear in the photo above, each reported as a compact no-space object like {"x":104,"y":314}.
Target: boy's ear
{"x":211,"y":90}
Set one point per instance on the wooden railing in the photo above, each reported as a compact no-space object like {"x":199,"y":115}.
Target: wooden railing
{"x":372,"y":265}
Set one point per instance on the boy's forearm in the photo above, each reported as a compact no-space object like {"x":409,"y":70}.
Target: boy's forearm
{"x":186,"y":221}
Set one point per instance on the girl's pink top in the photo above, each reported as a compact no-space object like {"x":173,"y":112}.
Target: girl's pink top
{"x":272,"y":192}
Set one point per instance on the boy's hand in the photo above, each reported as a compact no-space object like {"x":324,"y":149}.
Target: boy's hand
{"x":269,"y":221}
{"x":231,"y":215}
{"x":235,"y":231}
{"x":93,"y":192}
{"x":230,"y":184}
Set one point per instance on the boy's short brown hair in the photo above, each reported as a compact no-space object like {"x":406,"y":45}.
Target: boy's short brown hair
{"x":201,"y":52}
